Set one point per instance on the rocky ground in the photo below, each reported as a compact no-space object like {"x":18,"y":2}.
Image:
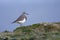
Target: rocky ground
{"x":39,"y":31}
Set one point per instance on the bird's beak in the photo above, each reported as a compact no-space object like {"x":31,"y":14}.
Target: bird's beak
{"x":27,"y":14}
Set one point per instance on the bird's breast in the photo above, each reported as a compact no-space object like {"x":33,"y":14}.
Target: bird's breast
{"x":22,"y":21}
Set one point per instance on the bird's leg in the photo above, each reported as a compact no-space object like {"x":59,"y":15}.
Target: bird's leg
{"x":21,"y":24}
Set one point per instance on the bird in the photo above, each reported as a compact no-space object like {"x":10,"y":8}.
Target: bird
{"x":21,"y":19}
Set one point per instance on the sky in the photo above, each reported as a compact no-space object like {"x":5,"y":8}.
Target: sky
{"x":38,"y":10}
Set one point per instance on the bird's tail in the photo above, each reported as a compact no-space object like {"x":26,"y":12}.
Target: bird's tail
{"x":13,"y":22}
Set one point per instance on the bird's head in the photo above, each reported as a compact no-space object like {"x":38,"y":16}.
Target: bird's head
{"x":25,"y":13}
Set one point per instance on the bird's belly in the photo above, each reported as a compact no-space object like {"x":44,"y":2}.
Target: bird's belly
{"x":22,"y":21}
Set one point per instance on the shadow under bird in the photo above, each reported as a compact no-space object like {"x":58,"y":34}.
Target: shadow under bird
{"x":21,"y":19}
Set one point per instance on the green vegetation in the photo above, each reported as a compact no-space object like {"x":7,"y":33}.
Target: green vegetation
{"x":43,"y":31}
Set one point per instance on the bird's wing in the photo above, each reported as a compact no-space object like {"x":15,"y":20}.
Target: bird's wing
{"x":20,"y":18}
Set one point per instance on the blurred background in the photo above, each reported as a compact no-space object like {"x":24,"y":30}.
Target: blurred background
{"x":38,"y":10}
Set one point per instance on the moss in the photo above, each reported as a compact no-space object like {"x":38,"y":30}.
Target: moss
{"x":38,"y":31}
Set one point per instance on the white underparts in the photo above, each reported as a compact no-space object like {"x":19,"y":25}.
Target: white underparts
{"x":21,"y":21}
